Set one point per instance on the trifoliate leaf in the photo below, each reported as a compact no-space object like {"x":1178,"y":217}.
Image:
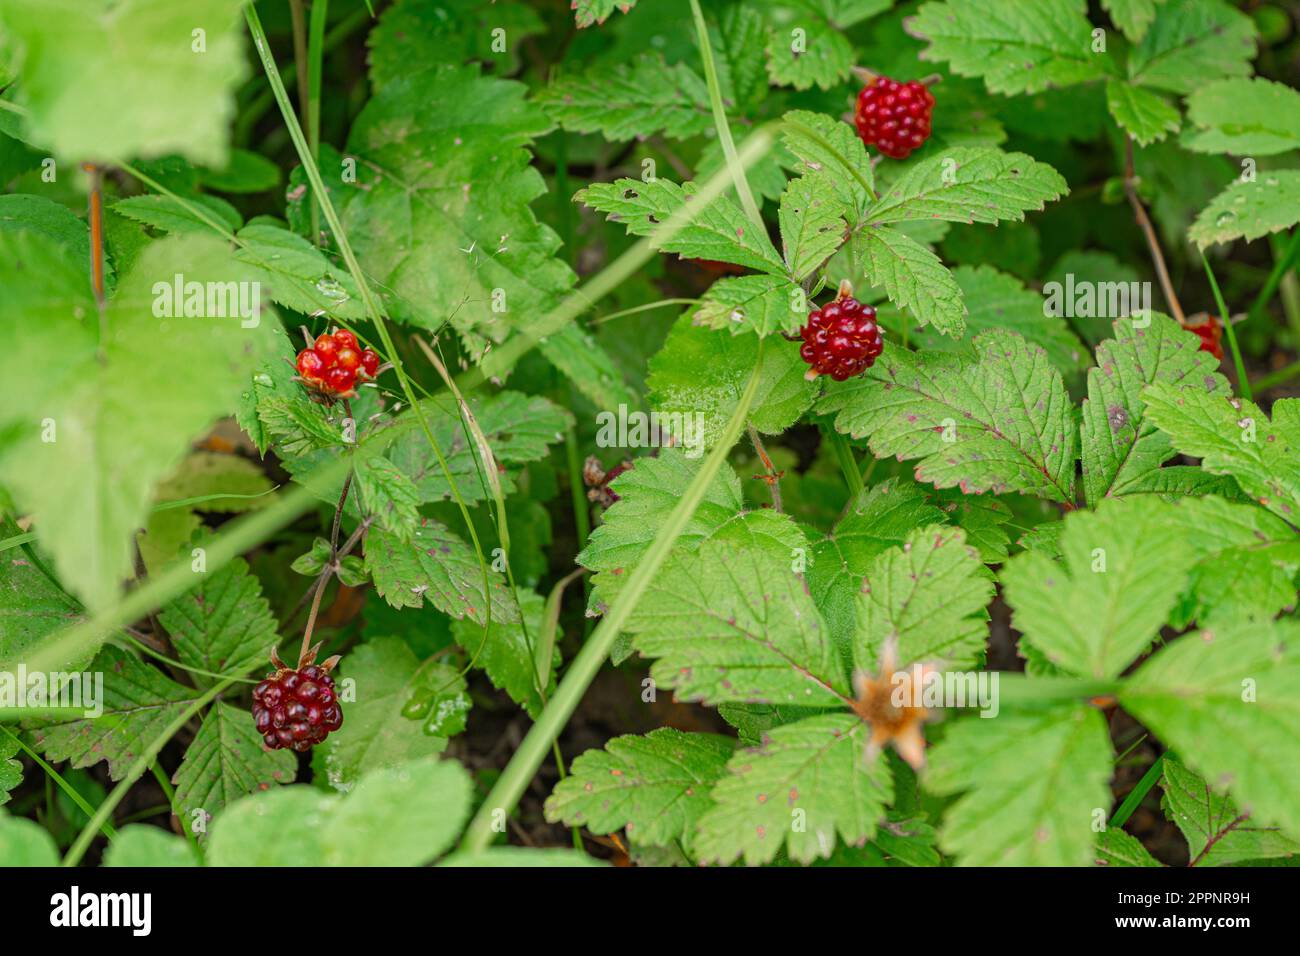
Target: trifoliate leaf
{"x":1248,"y":210}
{"x":654,"y":786}
{"x":631,"y":100}
{"x":804,"y":785}
{"x":1224,"y":699}
{"x":227,"y":761}
{"x":375,"y":735}
{"x":1094,"y":615}
{"x":1217,"y":832}
{"x":762,"y":304}
{"x":929,"y":596}
{"x":719,"y":231}
{"x":223,"y":624}
{"x":1002,"y":423}
{"x":1255,"y":117}
{"x":969,"y":184}
{"x":812,"y":224}
{"x":827,"y":145}
{"x":1233,"y":437}
{"x":1034,"y":783}
{"x":435,"y":565}
{"x":913,"y":278}
{"x":1018,"y":46}
{"x":507,"y":653}
{"x":68,"y":49}
{"x":138,"y":702}
{"x":1122,"y":449}
{"x":87,"y":489}
{"x":400,"y":816}
{"x":1191,"y":42}
{"x":1145,"y":115}
{"x":1132,"y":16}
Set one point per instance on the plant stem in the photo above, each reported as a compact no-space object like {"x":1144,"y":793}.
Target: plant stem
{"x":299,"y":20}
{"x":315,"y":59}
{"x":720,"y":120}
{"x":1282,"y":261}
{"x":772,"y":478}
{"x":1136,"y":795}
{"x":848,"y":464}
{"x":1153,"y":243}
{"x":1243,"y":383}
{"x":523,"y":765}
{"x":1272,"y":379}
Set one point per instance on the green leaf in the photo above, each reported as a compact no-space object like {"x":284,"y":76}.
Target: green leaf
{"x":1225,"y":700}
{"x":386,"y":493}
{"x":223,"y":624}
{"x":929,"y":595}
{"x":434,"y":565}
{"x":1033,"y":782}
{"x":31,"y":604}
{"x":1190,"y":43}
{"x":700,"y":374}
{"x":1116,"y":848}
{"x":139,"y":845}
{"x":165,"y":96}
{"x":719,"y":231}
{"x":1001,"y":423}
{"x":1217,"y":832}
{"x":88,"y":489}
{"x":913,"y":278}
{"x":820,"y":56}
{"x":728,"y":623}
{"x":586,"y":363}
{"x":1255,"y":117}
{"x":762,"y":304}
{"x":1097,"y":613}
{"x":633,"y":100}
{"x":1148,"y":117}
{"x":26,"y":843}
{"x":812,"y":224}
{"x":655,"y":786}
{"x":401,"y":816}
{"x":802,"y":786}
{"x":296,"y":274}
{"x":138,"y":702}
{"x":1233,"y":437}
{"x":11,"y":770}
{"x":226,"y":761}
{"x":506,"y":653}
{"x":245,"y":172}
{"x":826,"y":145}
{"x":375,"y":735}
{"x":969,"y":184}
{"x":1248,"y":210}
{"x":1018,"y":46}
{"x":518,"y":856}
{"x":52,"y":219}
{"x":171,"y":215}
{"x":588,"y":12}
{"x":1133,"y":17}
{"x":416,"y":34}
{"x":1122,"y":449}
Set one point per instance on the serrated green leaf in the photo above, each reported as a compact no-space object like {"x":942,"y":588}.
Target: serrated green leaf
{"x":1233,"y":437}
{"x":631,"y":100}
{"x":1145,"y":115}
{"x":913,"y":278}
{"x":719,"y":231}
{"x":588,"y":12}
{"x":762,"y":304}
{"x":1122,"y":449}
{"x":1217,"y":832}
{"x":1248,"y":210}
{"x":586,"y":363}
{"x":227,"y":761}
{"x":416,"y":34}
{"x":812,"y":224}
{"x":507,"y":652}
{"x":1033,"y":782}
{"x":819,"y":55}
{"x":387,"y":494}
{"x":11,"y":770}
{"x":826,"y":145}
{"x":244,"y":172}
{"x":171,"y":215}
{"x":296,"y":426}
{"x":1097,"y":613}
{"x":1190,"y":42}
{"x":655,"y":786}
{"x":1246,"y":117}
{"x":1018,"y":46}
{"x":1133,"y":17}
{"x":1002,"y":423}
{"x":803,"y":786}
{"x":296,"y":274}
{"x":928,"y":595}
{"x":1115,"y":847}
{"x":31,"y":604}
{"x":223,"y":624}
{"x":52,"y":219}
{"x":1225,"y":700}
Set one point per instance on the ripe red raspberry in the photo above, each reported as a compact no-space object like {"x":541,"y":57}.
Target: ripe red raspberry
{"x":841,"y":338}
{"x":894,"y":117}
{"x":296,"y":709}
{"x":310,"y":365}
{"x":1210,"y":333}
{"x":369,"y":363}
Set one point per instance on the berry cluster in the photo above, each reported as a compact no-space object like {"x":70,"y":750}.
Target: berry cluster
{"x":894,"y":117}
{"x":1210,"y":332}
{"x":841,"y":338}
{"x":333,"y":363}
{"x":296,"y":709}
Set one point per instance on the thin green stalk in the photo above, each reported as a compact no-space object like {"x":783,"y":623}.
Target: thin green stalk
{"x":170,"y":793}
{"x":1243,"y":382}
{"x":1283,"y":259}
{"x":141,"y":763}
{"x":523,"y":765}
{"x":720,"y":120}
{"x":1136,"y":795}
{"x":563,"y":200}
{"x":1263,"y":384}
{"x":62,"y":784}
{"x":315,"y":59}
{"x":648,"y":307}
{"x":354,"y":266}
{"x":848,"y":464}
{"x":581,"y":516}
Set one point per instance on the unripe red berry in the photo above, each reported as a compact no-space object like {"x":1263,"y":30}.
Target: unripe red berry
{"x":842,"y":338}
{"x":369,"y":363}
{"x":345,"y":339}
{"x":894,"y":117}
{"x":310,"y":365}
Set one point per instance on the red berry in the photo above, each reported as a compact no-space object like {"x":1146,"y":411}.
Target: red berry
{"x":310,"y":365}
{"x":894,"y":117}
{"x":369,"y":363}
{"x":345,"y":339}
{"x":1210,"y":332}
{"x":348,"y":358}
{"x":327,"y":348}
{"x":841,"y":338}
{"x":296,"y":709}
{"x":340,"y":380}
